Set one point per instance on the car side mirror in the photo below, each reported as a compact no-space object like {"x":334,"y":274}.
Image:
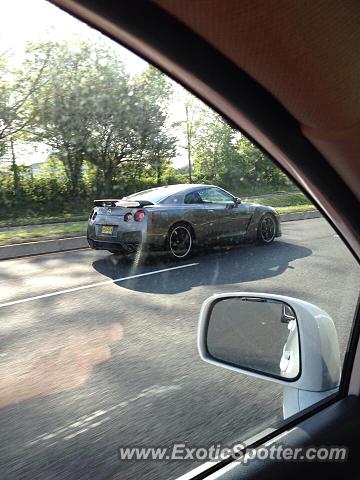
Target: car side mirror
{"x":273,"y":337}
{"x":237,"y":201}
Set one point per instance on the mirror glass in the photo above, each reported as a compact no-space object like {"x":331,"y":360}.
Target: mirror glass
{"x":255,"y":334}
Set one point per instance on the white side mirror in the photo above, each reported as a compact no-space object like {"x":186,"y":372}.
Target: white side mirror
{"x":273,"y":337}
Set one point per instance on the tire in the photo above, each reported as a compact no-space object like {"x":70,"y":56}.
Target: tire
{"x":266,"y":231}
{"x":180,"y":240}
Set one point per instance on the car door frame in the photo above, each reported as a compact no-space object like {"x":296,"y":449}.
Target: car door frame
{"x":226,"y":220}
{"x":217,"y":217}
{"x":240,"y":210}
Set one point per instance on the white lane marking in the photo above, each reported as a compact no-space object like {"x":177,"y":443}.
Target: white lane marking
{"x":85,"y":423}
{"x":84,"y":430}
{"x":92,"y":285}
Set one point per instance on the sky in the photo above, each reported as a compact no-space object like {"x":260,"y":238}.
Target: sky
{"x":38,"y":20}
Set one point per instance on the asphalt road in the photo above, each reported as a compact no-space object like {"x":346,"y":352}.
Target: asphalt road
{"x":153,"y":390}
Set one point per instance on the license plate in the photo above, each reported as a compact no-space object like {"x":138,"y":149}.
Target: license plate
{"x":106,"y":229}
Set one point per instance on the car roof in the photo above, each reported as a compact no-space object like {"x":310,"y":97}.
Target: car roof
{"x":159,"y":193}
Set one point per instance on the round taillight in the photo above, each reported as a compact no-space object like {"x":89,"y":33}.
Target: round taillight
{"x":128,"y":216}
{"x":139,"y":216}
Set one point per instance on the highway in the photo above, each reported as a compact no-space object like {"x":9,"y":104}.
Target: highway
{"x":109,"y":344}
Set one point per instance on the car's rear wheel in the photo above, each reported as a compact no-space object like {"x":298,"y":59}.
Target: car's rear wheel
{"x":180,"y":240}
{"x":267,"y":229}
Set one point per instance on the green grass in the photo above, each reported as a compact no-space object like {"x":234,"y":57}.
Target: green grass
{"x":42,"y":219}
{"x":282,"y":200}
{"x":18,"y":235}
{"x":295,"y":208}
{"x":295,"y":202}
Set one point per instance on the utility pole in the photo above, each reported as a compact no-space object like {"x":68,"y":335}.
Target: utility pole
{"x":15,"y":171}
{"x":188,"y":139}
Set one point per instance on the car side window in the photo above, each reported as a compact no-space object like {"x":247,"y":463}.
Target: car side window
{"x":193,"y":198}
{"x":215,"y":195}
{"x":176,"y":199}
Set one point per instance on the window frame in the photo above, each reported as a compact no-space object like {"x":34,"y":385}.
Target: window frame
{"x":223,"y":192}
{"x":271,"y":128}
{"x":193,"y":203}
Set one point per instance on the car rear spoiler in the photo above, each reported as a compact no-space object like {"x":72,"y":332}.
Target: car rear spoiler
{"x":113,"y":202}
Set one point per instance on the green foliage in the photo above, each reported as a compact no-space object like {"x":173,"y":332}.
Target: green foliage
{"x":226,"y":158}
{"x":190,"y":126}
{"x":109,"y":134}
{"x":22,"y":234}
{"x":18,"y":87}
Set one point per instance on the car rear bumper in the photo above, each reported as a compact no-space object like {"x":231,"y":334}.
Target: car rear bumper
{"x":121,"y":247}
{"x":120,"y":241}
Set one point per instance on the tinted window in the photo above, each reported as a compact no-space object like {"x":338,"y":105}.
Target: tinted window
{"x":215,"y":195}
{"x":176,"y":199}
{"x":154,"y":195}
{"x":193,"y":198}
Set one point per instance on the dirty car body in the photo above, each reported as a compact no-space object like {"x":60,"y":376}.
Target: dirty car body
{"x":177,"y":218}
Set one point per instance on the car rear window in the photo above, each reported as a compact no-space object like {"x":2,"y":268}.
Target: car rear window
{"x":154,"y":195}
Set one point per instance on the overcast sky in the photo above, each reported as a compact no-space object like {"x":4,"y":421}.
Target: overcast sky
{"x":39,"y":20}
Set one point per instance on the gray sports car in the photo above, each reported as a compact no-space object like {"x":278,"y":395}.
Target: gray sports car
{"x":176,"y":218}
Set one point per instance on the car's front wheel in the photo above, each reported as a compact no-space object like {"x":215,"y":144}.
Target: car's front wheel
{"x":267,"y":229}
{"x":180,"y":240}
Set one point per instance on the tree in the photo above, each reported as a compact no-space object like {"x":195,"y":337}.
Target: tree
{"x":216,"y":155}
{"x":258,"y":168}
{"x":193,"y":110}
{"x":90,"y":110}
{"x":227,"y":158}
{"x":17,"y":89}
{"x":64,"y":107}
{"x":18,"y":86}
{"x":131,"y":126}
{"x":157,"y":144}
